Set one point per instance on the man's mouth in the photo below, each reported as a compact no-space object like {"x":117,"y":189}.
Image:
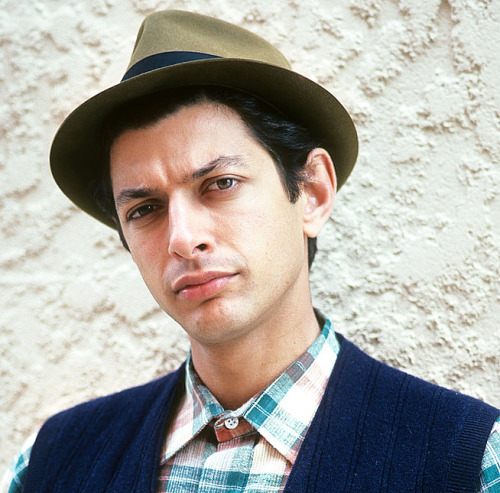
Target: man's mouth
{"x":201,"y":286}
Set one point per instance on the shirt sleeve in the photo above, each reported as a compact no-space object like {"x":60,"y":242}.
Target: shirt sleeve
{"x":489,"y":480}
{"x":13,"y":479}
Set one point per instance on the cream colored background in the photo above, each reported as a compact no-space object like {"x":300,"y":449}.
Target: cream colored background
{"x":409,"y":266}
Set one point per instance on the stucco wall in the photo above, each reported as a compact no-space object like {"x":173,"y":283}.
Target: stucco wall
{"x":410,"y":261}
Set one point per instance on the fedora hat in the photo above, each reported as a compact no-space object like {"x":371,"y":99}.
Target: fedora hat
{"x":177,"y":49}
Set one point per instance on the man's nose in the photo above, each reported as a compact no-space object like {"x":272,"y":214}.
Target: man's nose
{"x":188,"y":229}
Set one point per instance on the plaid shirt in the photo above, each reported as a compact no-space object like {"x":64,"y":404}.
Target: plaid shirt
{"x":253,"y":448}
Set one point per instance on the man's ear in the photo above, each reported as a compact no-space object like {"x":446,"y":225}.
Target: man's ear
{"x":319,"y":191}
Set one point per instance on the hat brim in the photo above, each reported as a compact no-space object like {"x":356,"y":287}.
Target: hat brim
{"x":75,"y":156}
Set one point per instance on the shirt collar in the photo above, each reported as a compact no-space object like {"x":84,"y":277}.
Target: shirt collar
{"x":281,"y":414}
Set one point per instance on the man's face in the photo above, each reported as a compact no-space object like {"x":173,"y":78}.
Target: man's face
{"x":209,"y":224}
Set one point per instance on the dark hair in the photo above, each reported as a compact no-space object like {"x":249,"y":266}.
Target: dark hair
{"x":287,"y":142}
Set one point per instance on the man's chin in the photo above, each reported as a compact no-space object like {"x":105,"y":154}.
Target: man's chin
{"x":211,"y":323}
{"x":196,"y":313}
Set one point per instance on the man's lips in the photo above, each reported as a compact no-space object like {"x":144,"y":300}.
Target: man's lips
{"x":200,"y":286}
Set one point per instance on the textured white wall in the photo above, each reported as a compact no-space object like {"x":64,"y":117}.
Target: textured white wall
{"x":409,"y":264}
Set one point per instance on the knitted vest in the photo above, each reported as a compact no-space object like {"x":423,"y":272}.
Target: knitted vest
{"x":376,"y":430}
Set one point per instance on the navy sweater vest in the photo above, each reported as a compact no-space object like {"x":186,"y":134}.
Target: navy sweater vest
{"x":377,"y":430}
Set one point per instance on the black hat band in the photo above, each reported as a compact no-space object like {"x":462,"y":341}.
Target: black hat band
{"x":160,"y":60}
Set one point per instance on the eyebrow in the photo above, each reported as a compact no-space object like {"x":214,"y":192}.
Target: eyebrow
{"x":218,"y":163}
{"x":221,"y":162}
{"x":134,"y":193}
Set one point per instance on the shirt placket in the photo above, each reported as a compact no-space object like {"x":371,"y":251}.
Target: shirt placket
{"x":228,"y":468}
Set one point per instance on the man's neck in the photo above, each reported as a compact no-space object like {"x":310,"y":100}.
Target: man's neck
{"x":238,"y":370}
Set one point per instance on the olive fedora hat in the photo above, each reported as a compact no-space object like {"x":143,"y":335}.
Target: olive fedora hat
{"x":177,"y":49}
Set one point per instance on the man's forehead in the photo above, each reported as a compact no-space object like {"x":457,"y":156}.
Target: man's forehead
{"x":132,"y":118}
{"x":193,"y":142}
{"x":191,"y":127}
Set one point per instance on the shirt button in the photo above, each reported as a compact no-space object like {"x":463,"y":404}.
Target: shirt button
{"x":231,"y":423}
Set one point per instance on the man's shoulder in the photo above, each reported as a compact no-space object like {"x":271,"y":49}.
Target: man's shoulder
{"x":397,"y":429}
{"x":125,"y":426}
{"x":400,"y":381}
{"x":419,"y":410}
{"x":126,"y":406}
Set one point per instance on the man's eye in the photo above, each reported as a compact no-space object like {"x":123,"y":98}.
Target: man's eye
{"x":141,"y":211}
{"x":222,"y":184}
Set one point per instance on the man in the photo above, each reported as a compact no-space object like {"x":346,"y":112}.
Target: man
{"x":218,"y":165}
